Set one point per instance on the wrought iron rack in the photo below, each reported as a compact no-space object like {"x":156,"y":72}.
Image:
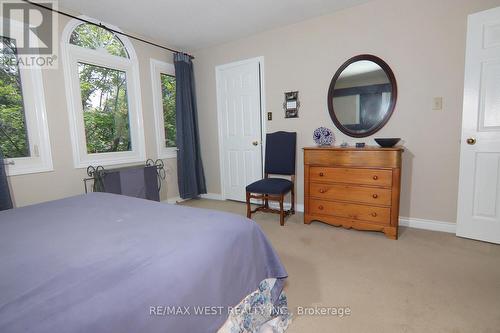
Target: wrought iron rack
{"x":96,"y":174}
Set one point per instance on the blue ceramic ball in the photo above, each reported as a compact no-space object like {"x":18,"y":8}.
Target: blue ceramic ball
{"x":323,"y":136}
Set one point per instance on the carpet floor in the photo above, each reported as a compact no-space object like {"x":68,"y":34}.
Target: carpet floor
{"x":424,"y":282}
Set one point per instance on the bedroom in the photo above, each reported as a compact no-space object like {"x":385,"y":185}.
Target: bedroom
{"x":427,"y":280}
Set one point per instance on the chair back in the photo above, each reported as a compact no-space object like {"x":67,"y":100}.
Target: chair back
{"x":280,"y":153}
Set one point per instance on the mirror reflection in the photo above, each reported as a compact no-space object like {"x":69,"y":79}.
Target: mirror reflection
{"x":362,"y":97}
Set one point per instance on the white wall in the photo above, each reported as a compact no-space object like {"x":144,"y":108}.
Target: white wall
{"x":424,"y":43}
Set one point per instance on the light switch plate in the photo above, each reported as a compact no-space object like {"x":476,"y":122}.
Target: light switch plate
{"x":437,"y":103}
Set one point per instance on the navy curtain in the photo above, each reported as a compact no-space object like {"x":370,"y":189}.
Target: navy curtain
{"x":190,"y":175}
{"x":5,"y":199}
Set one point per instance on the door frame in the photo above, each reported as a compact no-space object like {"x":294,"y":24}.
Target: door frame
{"x":218,"y":69}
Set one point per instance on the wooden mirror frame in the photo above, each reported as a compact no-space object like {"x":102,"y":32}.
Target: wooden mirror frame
{"x":392,"y":104}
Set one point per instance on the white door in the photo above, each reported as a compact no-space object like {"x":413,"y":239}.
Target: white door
{"x":479,"y":188}
{"x":239,"y":110}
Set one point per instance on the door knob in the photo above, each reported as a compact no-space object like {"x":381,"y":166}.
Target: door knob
{"x":471,"y":141}
{"x":255,"y":143}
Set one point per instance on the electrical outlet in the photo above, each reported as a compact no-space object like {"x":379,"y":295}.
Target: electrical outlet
{"x":437,"y":103}
{"x":269,"y":116}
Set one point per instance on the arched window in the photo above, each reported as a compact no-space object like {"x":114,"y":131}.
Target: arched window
{"x":102,"y":76}
{"x":96,"y":38}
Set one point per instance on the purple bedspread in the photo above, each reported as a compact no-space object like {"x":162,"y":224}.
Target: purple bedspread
{"x":99,"y":262}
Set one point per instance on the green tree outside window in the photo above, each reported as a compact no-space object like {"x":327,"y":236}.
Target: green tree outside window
{"x":93,"y":37}
{"x":13,"y":134}
{"x":105,"y":108}
{"x":168,"y":94}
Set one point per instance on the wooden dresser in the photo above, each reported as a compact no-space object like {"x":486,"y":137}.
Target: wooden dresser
{"x":353,"y":187}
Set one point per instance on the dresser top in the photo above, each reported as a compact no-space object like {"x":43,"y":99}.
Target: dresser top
{"x":353,"y":148}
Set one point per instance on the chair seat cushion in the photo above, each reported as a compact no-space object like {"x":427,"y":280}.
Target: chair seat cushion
{"x":270,"y":186}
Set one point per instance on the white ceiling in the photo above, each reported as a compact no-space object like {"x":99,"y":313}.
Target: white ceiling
{"x":196,"y":24}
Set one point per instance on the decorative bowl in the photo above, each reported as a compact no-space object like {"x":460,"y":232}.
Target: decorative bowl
{"x":323,"y":136}
{"x":387,"y":142}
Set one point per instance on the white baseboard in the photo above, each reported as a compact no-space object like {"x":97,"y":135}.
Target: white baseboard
{"x":403,"y":221}
{"x":174,"y":200}
{"x":287,"y":205}
{"x":428,"y":224}
{"x":212,"y":196}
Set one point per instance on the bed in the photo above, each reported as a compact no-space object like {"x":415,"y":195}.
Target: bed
{"x":109,"y":263}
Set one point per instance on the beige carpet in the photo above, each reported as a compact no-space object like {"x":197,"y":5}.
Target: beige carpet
{"x":424,"y":282}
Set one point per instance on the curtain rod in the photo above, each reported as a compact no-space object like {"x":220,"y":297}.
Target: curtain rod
{"x":105,"y":27}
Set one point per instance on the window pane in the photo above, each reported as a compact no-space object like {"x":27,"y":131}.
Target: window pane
{"x":13,"y":135}
{"x":168,"y":93}
{"x":97,"y":38}
{"x":105,"y":108}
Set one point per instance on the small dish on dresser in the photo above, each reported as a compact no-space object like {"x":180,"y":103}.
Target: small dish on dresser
{"x":387,"y":142}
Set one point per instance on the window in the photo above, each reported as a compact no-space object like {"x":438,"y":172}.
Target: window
{"x":104,"y":106}
{"x":24,"y":139}
{"x":14,"y":140}
{"x":96,"y":38}
{"x":163,"y":81}
{"x":168,"y":100}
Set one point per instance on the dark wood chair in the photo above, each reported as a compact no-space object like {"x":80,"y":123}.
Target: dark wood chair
{"x":279,"y":160}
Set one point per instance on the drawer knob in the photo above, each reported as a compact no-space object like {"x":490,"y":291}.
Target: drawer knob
{"x":322,"y":190}
{"x":321,"y":174}
{"x":374,"y":214}
{"x":320,"y":207}
{"x":375,"y":177}
{"x":375,"y":196}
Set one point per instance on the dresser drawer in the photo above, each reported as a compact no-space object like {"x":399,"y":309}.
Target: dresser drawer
{"x":352,"y":211}
{"x":366,"y":157}
{"x":369,"y":195}
{"x":378,"y":177}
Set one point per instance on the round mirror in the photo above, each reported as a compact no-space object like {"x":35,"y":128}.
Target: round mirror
{"x":362,"y":96}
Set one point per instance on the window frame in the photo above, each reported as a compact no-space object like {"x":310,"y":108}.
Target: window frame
{"x":35,"y":113}
{"x":157,"y":68}
{"x":72,"y":55}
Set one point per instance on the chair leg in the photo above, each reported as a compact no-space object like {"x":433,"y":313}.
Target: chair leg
{"x":293,"y":200}
{"x":266,"y":201}
{"x":282,"y":211}
{"x":249,"y":209}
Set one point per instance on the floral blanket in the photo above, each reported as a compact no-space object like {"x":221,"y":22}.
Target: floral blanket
{"x":260,"y":312}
